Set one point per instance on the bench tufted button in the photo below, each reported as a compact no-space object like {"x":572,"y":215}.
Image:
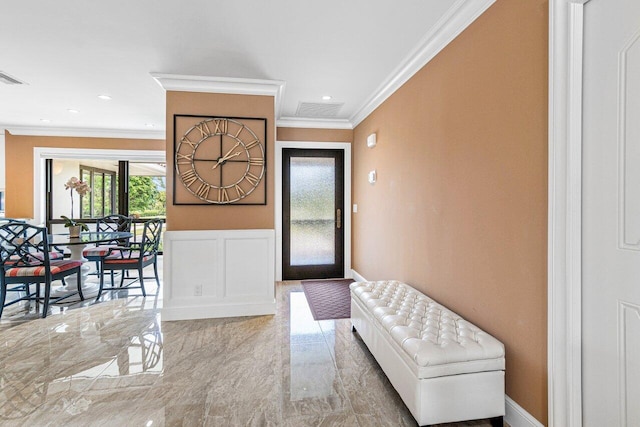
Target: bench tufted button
{"x":429,"y":333}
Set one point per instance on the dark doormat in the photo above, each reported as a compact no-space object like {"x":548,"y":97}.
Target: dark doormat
{"x":328,"y":299}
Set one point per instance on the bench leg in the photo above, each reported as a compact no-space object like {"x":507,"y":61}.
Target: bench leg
{"x":497,"y":422}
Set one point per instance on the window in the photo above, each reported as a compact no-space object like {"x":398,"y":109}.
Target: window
{"x":102,"y":200}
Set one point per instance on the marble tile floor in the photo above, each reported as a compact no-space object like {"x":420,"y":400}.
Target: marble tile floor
{"x":115,"y":363}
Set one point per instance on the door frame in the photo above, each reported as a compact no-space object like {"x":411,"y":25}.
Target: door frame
{"x":564,"y":256}
{"x":316,"y":145}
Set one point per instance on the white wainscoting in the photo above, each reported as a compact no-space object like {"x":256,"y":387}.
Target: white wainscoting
{"x":218,"y":273}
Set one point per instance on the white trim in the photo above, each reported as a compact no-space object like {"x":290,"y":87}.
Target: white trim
{"x":85,"y":132}
{"x":516,"y":416}
{"x":299,"y":122}
{"x":212,"y":310}
{"x":227,"y":287}
{"x":565,"y":215}
{"x":231,"y":85}
{"x":346,"y":146}
{"x":42,"y":153}
{"x":459,"y":16}
{"x":357,"y":276}
{"x":3,"y":162}
{"x":623,"y":243}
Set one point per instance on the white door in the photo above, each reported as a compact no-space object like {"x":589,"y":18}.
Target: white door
{"x":611,"y":214}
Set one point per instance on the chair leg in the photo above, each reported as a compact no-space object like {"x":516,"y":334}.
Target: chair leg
{"x":3,"y":296}
{"x":47,"y":294}
{"x":101,"y":285}
{"x":79,"y":273}
{"x":144,"y":294}
{"x":122,"y":277}
{"x":155,"y":271}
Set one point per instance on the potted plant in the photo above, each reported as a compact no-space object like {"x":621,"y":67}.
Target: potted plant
{"x":75,"y":227}
{"x":81,"y":188}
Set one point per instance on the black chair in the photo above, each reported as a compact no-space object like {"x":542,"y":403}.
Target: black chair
{"x":108,"y":223}
{"x":136,"y":257}
{"x":53,"y":255}
{"x":24,"y":260}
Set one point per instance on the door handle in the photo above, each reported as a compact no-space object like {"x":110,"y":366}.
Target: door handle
{"x":339,"y":218}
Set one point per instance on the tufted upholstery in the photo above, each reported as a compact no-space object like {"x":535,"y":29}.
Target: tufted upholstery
{"x":433,"y":340}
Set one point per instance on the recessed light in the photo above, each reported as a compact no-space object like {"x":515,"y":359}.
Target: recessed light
{"x":45,"y":120}
{"x":71,"y":110}
{"x":326,"y":98}
{"x":105,"y":97}
{"x":149,"y":125}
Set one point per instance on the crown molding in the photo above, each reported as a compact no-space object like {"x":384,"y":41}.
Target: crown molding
{"x":231,"y":85}
{"x":84,"y":132}
{"x":299,"y":122}
{"x":459,"y":16}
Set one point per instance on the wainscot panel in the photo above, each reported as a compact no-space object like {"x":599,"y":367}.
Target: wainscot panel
{"x":218,"y":273}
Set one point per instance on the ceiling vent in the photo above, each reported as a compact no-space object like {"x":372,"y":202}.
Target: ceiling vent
{"x":7,"y":79}
{"x":319,"y":110}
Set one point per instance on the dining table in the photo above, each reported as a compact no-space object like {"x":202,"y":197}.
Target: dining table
{"x":76,"y":246}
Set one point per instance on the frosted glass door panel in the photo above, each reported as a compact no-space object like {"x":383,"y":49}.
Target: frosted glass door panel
{"x":312,"y":189}
{"x":312,"y":213}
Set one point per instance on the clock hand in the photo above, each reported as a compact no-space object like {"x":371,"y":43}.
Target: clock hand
{"x":225,"y":158}
{"x":228,"y":152}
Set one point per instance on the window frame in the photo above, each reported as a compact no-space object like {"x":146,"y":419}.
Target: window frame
{"x":112,"y":191}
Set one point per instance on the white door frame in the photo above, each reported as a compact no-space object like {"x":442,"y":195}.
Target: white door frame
{"x":346,"y":146}
{"x":564,"y":327}
{"x":40,"y":154}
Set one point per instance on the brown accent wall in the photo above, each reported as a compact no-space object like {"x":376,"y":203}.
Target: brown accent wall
{"x":315,"y":135}
{"x":460,"y":206}
{"x":215,"y":217}
{"x":19,"y":163}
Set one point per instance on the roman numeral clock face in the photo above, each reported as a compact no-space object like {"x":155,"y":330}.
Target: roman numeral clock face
{"x":219,"y":160}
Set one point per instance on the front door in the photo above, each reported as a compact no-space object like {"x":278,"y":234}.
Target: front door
{"x":611,"y":214}
{"x":312,"y":214}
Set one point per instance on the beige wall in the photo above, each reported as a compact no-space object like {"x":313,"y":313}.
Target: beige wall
{"x":460,"y":206}
{"x":216,"y":217}
{"x":315,"y":135}
{"x":19,"y":163}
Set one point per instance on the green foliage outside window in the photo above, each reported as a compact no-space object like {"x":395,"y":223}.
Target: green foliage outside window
{"x":147,"y":196}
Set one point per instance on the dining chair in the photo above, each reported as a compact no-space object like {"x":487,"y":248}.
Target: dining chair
{"x":135,"y":257}
{"x":109,"y":223}
{"x":25,"y":260}
{"x":53,"y":254}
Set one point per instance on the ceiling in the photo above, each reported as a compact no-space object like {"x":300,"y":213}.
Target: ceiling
{"x":69,"y":52}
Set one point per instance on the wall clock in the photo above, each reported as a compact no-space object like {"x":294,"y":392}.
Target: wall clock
{"x":219,"y":160}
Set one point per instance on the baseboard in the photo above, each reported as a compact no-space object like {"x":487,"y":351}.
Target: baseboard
{"x":516,"y":416}
{"x":212,"y":311}
{"x":357,"y":276}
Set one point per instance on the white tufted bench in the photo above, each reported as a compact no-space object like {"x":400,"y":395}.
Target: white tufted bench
{"x":444,"y":368}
